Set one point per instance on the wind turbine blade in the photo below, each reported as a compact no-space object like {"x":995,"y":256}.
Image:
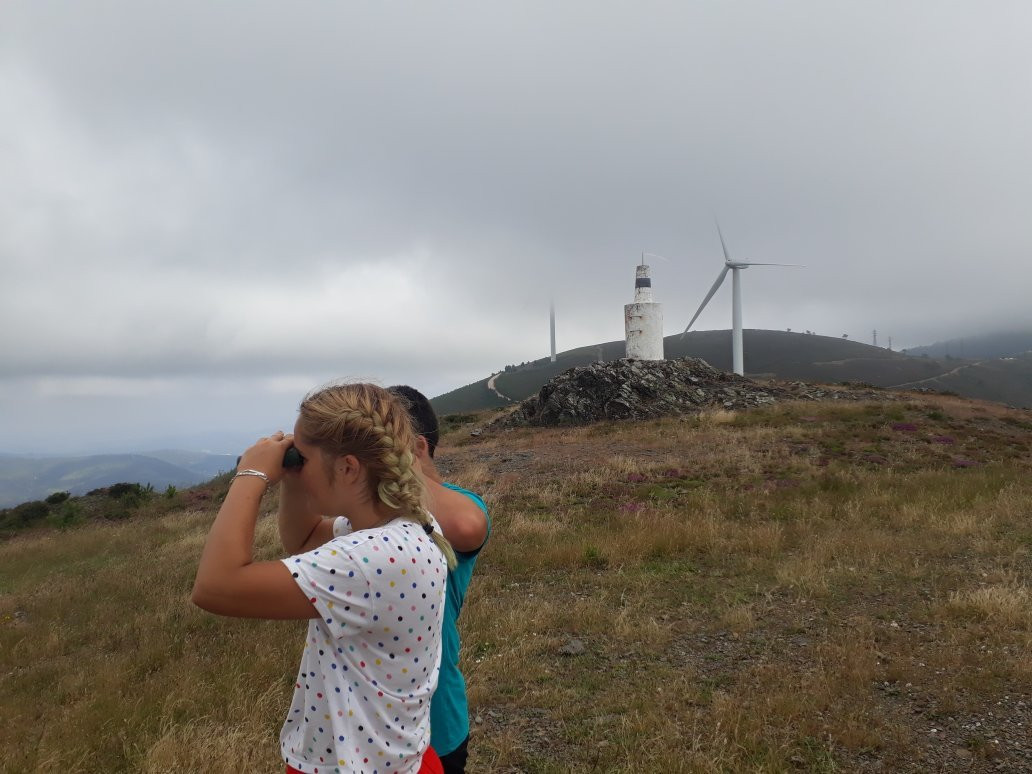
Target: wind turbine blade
{"x":750,"y":263}
{"x":727,"y":256}
{"x":709,"y":295}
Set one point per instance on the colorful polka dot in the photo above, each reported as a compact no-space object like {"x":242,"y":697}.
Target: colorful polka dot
{"x":388,"y":681}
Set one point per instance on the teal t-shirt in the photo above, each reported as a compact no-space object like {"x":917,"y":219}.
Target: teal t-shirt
{"x":449,"y":712}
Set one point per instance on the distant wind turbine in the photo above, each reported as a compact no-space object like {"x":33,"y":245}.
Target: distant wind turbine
{"x":737,"y":356}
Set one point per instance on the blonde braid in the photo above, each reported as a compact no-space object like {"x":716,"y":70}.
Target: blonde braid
{"x":370,"y":422}
{"x":405,"y":483}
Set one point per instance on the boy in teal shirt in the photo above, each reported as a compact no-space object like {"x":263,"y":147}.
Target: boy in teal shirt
{"x":465,"y":522}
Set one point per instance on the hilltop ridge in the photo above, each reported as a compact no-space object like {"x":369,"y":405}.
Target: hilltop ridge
{"x":782,"y":355}
{"x":648,"y":389}
{"x":986,"y":345}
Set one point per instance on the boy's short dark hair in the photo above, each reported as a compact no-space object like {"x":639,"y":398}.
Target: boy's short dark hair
{"x":423,"y":416}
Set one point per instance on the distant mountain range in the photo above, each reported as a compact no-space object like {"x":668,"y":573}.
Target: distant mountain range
{"x":992,"y":367}
{"x":792,"y":356}
{"x":35,"y":477}
{"x":989,"y":345}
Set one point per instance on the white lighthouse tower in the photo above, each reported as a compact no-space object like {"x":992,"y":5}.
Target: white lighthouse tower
{"x":643,"y":320}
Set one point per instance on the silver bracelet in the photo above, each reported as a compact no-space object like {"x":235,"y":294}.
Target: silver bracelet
{"x":250,"y":472}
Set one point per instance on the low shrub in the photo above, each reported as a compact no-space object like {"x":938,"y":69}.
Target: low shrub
{"x":68,"y":515}
{"x":123,"y":489}
{"x":30,"y":512}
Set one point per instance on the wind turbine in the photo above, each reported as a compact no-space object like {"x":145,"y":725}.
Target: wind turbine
{"x":735,"y":267}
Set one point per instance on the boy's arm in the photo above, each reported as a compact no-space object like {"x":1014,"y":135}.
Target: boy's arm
{"x":301,"y":529}
{"x":462,"y":521}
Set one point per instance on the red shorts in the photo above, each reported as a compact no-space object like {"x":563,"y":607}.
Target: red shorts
{"x":431,"y":764}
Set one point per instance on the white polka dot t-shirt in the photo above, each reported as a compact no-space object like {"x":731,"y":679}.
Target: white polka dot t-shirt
{"x":362,"y":698}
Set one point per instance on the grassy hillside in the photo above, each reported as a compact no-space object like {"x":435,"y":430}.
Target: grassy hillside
{"x":472,"y":397}
{"x":1006,"y":380}
{"x":778,"y":354}
{"x":809,"y":587}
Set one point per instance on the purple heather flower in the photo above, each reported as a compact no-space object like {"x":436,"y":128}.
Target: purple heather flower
{"x":906,"y":427}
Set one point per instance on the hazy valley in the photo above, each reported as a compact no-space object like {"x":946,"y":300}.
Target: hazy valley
{"x":36,"y":477}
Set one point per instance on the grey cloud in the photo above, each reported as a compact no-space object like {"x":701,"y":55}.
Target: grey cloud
{"x":160,"y":152}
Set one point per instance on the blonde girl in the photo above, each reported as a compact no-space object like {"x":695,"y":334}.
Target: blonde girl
{"x":371,"y":583}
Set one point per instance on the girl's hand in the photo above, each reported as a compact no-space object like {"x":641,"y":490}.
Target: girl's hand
{"x":267,"y":455}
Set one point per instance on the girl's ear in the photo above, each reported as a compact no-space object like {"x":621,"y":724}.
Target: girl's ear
{"x":348,"y":468}
{"x":422,"y":447}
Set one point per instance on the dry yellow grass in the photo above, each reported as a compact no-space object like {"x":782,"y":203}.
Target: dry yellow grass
{"x":753,"y":592}
{"x":1008,"y":605}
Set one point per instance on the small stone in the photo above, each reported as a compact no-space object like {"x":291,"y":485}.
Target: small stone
{"x":573,"y":648}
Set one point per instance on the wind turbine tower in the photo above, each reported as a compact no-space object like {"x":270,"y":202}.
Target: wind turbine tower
{"x":643,"y":320}
{"x":551,"y":319}
{"x":735,"y":267}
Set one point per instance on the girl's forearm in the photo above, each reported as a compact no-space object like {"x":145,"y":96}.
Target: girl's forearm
{"x":230,"y":543}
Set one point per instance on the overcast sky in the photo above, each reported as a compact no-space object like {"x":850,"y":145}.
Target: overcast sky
{"x":207,"y":209}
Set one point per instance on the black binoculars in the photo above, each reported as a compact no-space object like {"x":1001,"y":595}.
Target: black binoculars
{"x":292,"y":459}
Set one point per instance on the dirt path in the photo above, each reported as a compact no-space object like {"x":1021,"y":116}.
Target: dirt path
{"x":936,"y":378}
{"x":491,"y":386}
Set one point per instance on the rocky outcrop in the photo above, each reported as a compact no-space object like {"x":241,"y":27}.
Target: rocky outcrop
{"x":644,"y":389}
